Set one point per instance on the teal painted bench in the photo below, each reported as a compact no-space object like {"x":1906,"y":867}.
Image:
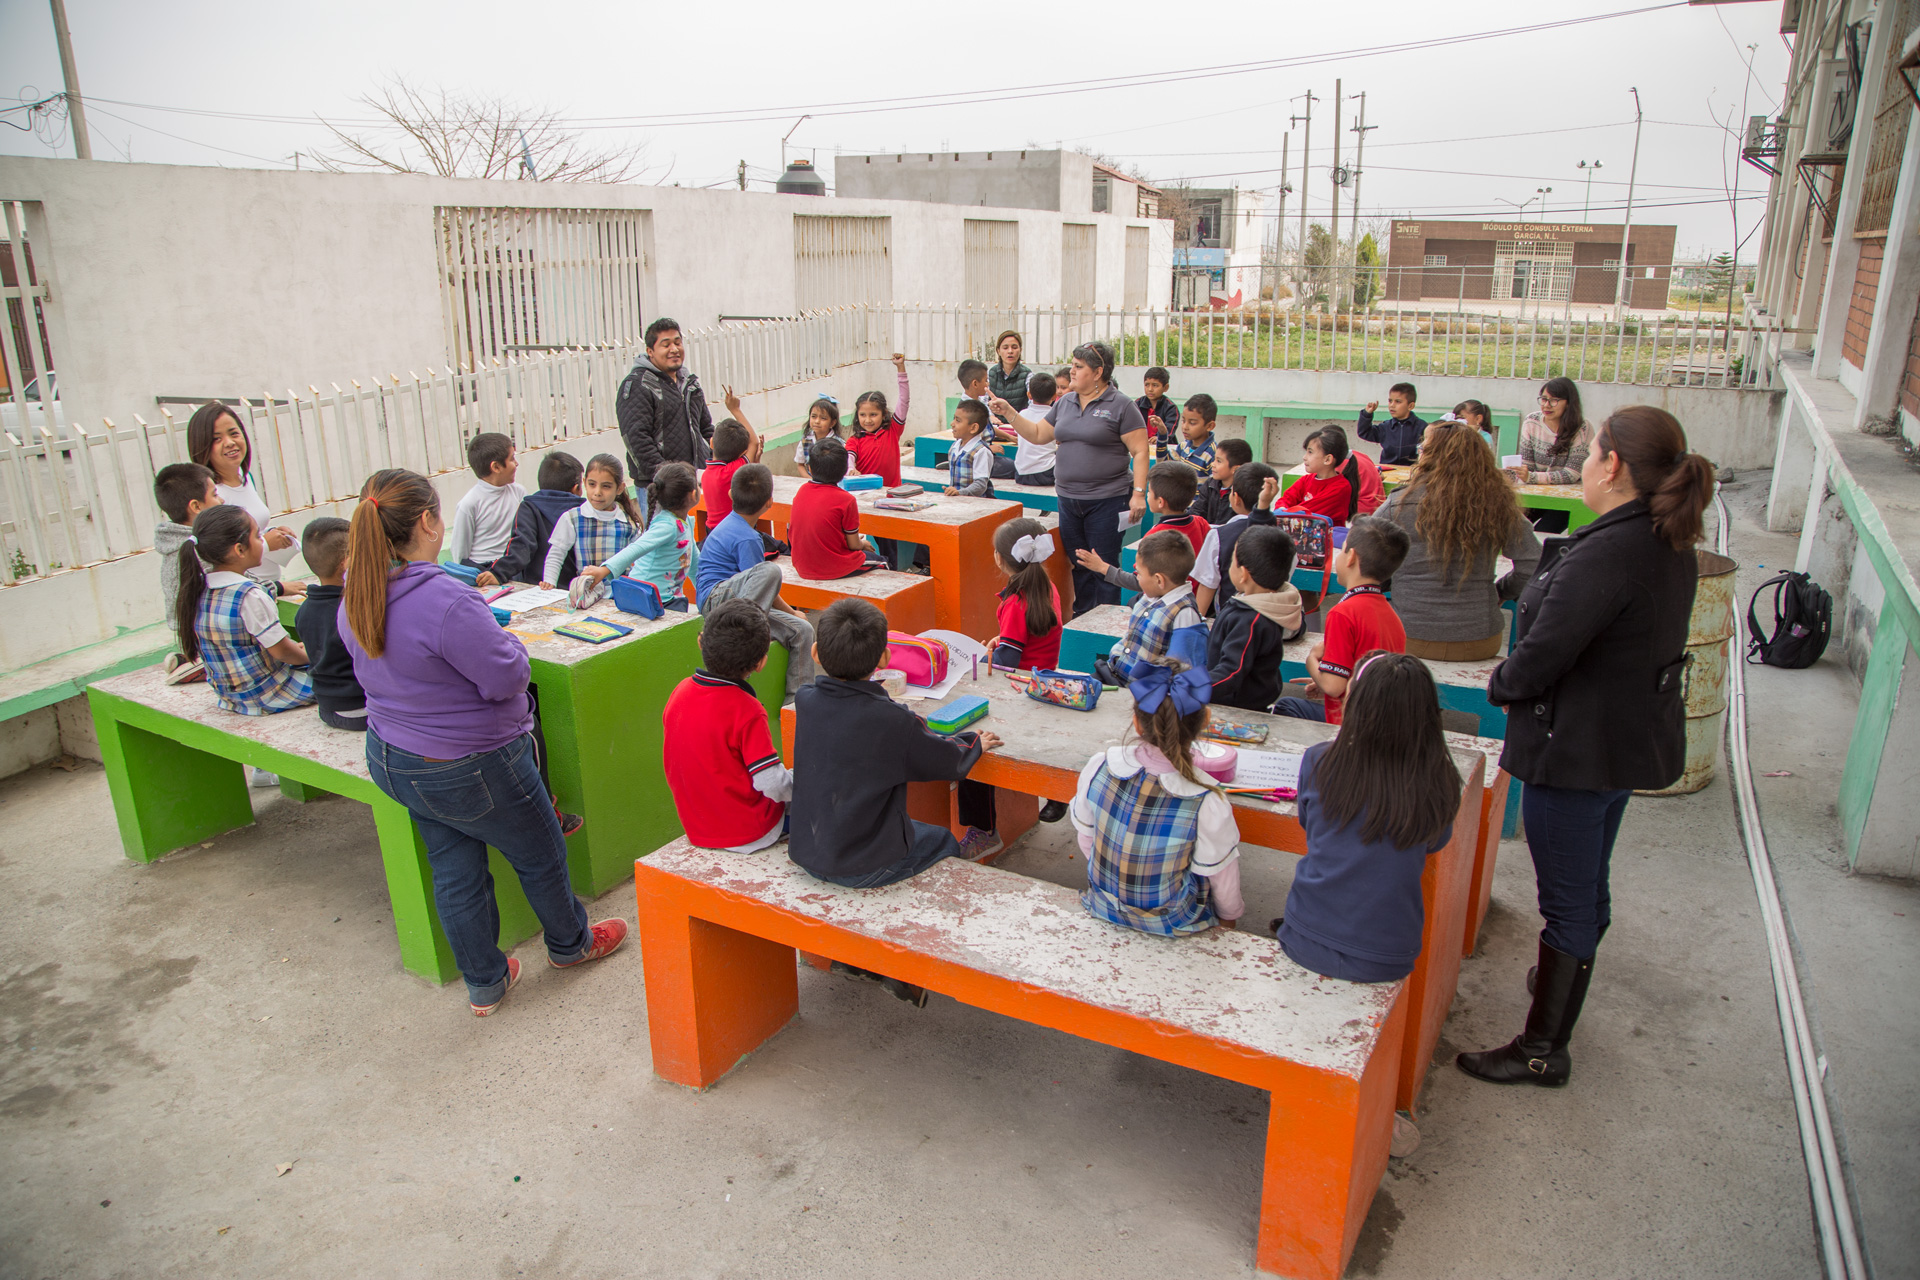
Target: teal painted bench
{"x":173,"y":761}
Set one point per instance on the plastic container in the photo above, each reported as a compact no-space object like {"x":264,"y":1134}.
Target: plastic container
{"x":1217,"y":760}
{"x":954,"y":716}
{"x":855,"y":484}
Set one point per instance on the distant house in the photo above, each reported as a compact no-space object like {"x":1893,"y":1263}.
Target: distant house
{"x":1541,"y":262}
{"x":1220,"y":243}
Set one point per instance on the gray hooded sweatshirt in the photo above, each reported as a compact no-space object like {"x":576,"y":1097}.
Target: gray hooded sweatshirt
{"x":168,"y":538}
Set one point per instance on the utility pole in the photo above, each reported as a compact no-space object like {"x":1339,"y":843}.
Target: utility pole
{"x":1306,"y":154}
{"x":1626,"y":231}
{"x":1333,"y":292}
{"x":1280,"y":218}
{"x":1586,"y":205}
{"x":76,"y":110}
{"x":743,"y":175}
{"x":1360,"y":127}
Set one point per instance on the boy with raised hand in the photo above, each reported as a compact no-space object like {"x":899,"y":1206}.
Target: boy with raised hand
{"x":559,"y":493}
{"x":1399,"y":436}
{"x":734,"y":566}
{"x":1252,"y":493}
{"x":1212,"y":503}
{"x":854,"y":751}
{"x":1245,"y":646}
{"x":1163,"y":560}
{"x":728,"y":784}
{"x":1363,"y":621}
{"x":482,"y":525}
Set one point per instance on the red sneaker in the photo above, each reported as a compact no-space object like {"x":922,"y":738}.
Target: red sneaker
{"x":607,"y":937}
{"x":513,"y":976}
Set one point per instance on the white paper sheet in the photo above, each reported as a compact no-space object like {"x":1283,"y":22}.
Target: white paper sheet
{"x":285,"y":555}
{"x":531,"y":598}
{"x":1511,"y":460}
{"x":1267,"y":769}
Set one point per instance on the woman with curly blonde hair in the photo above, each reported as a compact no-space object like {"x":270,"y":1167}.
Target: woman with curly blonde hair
{"x":1460,"y":516}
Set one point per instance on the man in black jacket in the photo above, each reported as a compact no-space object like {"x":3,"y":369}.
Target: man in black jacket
{"x":854,"y":752}
{"x":662,"y":410}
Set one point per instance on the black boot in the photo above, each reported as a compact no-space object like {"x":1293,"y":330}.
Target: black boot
{"x":1539,"y":1054}
{"x":1535,"y":971}
{"x":1053,"y":811}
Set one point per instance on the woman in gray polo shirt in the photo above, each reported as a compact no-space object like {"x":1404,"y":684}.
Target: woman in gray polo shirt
{"x":1100,"y":466}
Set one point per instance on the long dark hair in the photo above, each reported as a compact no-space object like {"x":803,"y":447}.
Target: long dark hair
{"x":871,"y":397}
{"x":1571,"y":419}
{"x":611,"y":465}
{"x":1029,"y":579}
{"x":1676,"y":484}
{"x":1333,"y":443}
{"x":200,"y":429}
{"x":1390,"y":761}
{"x":673,"y":483}
{"x":389,"y":512}
{"x":216,"y":532}
{"x":827,"y":407}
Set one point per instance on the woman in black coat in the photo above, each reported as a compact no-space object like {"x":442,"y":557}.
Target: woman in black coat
{"x":1594,"y":704}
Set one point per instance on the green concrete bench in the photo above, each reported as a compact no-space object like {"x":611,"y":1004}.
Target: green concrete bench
{"x":173,"y":760}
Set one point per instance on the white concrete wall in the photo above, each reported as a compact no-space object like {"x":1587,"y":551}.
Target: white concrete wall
{"x":173,"y":280}
{"x":1057,"y":180}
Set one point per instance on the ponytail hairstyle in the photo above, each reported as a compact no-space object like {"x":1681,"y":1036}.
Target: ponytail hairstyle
{"x":1468,"y":410}
{"x":877,"y":399}
{"x":611,"y":465}
{"x":831,"y":408}
{"x":387,"y":519}
{"x":200,"y":437}
{"x":1676,"y":484}
{"x":1333,"y":443}
{"x":674,"y":485}
{"x":1169,"y":732}
{"x":1389,"y":768}
{"x":1029,"y":575}
{"x":217,"y":531}
{"x":1571,"y":421}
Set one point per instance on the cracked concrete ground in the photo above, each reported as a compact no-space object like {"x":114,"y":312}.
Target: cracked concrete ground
{"x":175,"y":1033}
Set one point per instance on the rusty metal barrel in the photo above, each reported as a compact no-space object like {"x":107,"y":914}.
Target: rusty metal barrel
{"x":1706,"y":672}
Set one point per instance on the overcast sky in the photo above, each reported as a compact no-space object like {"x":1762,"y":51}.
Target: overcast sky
{"x":1563,"y":92}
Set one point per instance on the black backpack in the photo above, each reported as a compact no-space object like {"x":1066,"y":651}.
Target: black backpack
{"x":1802,"y":617}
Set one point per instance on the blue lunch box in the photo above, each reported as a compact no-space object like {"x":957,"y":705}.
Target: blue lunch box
{"x":954,"y":716}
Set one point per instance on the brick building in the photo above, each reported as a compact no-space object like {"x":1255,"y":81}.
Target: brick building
{"x":1544,"y":262}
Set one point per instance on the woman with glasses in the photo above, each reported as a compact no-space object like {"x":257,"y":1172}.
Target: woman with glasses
{"x":1553,"y":446}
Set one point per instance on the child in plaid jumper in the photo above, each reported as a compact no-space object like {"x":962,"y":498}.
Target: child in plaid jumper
{"x":970,"y":462}
{"x":1164,"y":559}
{"x":229,"y":622}
{"x":1161,"y":843}
{"x":599,"y":528}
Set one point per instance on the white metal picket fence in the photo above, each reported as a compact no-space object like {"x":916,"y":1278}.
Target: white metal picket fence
{"x":72,"y":495}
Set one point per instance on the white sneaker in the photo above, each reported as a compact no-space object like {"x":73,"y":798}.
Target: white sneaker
{"x":265,"y":780}
{"x":180,"y":671}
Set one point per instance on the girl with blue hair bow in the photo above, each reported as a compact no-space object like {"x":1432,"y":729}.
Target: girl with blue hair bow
{"x":1163,"y":850}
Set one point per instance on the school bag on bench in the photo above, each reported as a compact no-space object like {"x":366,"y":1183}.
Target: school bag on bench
{"x":1802,"y":619}
{"x":922,"y":661}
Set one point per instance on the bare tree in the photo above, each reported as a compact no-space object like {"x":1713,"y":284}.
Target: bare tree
{"x":472,"y":135}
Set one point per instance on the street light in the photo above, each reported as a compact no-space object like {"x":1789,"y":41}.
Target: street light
{"x":1520,"y":208}
{"x":1587,"y":204}
{"x":1543,"y":193}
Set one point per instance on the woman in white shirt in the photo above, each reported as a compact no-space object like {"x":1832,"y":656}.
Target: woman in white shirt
{"x":217,"y":441}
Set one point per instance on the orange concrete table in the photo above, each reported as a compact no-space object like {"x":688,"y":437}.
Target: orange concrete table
{"x":958,"y":535}
{"x":1047,"y":746}
{"x":718,"y":932}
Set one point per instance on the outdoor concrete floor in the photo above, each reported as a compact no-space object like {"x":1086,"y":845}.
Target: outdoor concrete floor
{"x":173,"y":1033}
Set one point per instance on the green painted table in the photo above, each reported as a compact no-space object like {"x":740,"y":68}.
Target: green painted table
{"x":601,"y":709}
{"x":173,"y":762}
{"x":1557,"y":497}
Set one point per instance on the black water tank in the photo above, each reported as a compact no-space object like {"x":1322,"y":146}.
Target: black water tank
{"x":800,"y":179}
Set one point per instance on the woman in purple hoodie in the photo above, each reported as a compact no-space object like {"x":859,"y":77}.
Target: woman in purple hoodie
{"x":450,"y":736}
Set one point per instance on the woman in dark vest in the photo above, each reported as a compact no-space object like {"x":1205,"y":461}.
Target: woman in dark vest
{"x":1594,"y":704}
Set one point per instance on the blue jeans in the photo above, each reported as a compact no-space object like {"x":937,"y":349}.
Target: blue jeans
{"x":462,"y":806}
{"x":1570,"y":835}
{"x":1301,"y":709}
{"x":1092,"y":524}
{"x":930,"y":845}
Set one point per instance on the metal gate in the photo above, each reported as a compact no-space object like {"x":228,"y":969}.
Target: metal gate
{"x":1079,"y":249}
{"x":1540,"y":269}
{"x":839,"y":262}
{"x":992,"y":278}
{"x":515,"y":280}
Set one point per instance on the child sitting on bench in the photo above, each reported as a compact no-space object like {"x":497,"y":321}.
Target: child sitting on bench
{"x":1374,"y":802}
{"x":661,"y":554}
{"x":733,"y":566}
{"x":229,"y":622}
{"x":182,"y":490}
{"x":593,"y":532}
{"x":1363,"y":620}
{"x":1030,"y":616}
{"x":1161,"y":842}
{"x":729,"y":786}
{"x":854,"y":752}
{"x":1164,"y":560}
{"x":1251,"y":633}
{"x":1212,"y":503}
{"x":343,"y":703}
{"x":825,"y":525}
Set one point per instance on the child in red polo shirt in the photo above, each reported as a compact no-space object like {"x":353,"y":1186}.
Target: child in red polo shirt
{"x":728,"y":783}
{"x":735,"y":444}
{"x":875,"y":442}
{"x":1331,"y":487}
{"x":1363,"y":621}
{"x":1171,"y":487}
{"x":825,"y":525}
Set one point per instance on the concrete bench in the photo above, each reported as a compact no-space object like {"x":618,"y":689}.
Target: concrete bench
{"x":906,"y":598}
{"x":719,"y":932}
{"x":173,"y":762}
{"x":1099,"y":630}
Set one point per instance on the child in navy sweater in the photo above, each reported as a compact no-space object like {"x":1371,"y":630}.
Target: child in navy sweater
{"x":1244,"y":648}
{"x":343,"y":703}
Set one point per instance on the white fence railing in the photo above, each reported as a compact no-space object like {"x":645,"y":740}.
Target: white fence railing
{"x":72,"y":496}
